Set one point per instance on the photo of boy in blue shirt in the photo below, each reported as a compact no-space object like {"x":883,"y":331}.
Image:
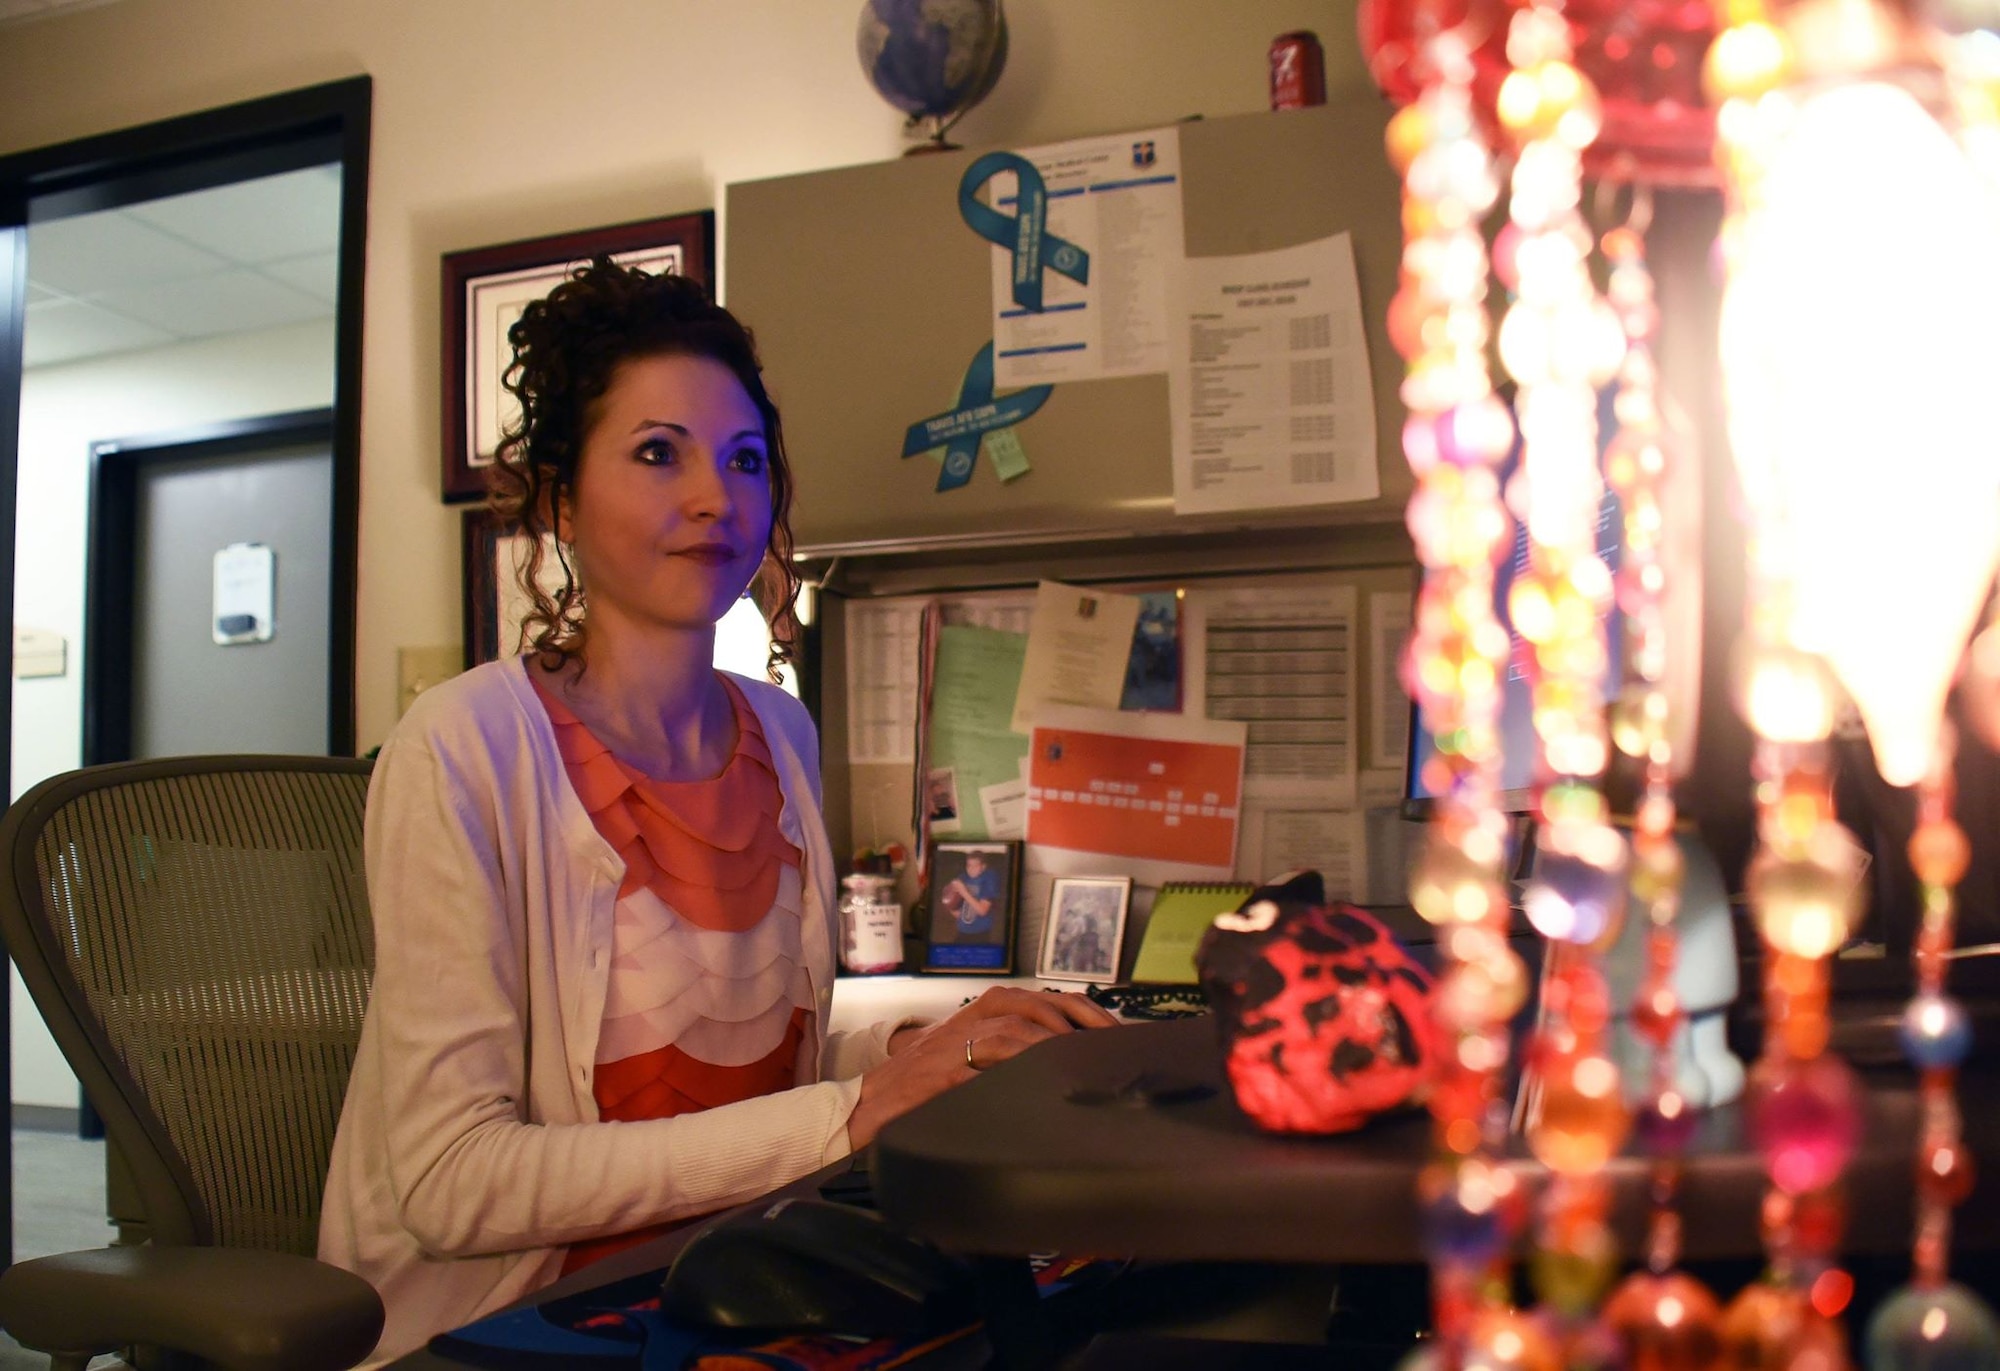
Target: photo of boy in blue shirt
{"x":969,"y":918}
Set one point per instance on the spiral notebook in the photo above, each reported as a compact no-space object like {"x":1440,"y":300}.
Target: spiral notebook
{"x":1181,"y":914}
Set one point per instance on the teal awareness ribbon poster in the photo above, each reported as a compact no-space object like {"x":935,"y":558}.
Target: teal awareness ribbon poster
{"x":959,"y":430}
{"x":1025,"y":233}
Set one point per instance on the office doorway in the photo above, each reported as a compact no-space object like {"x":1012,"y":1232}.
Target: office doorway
{"x":152,"y":173}
{"x":210,"y":573}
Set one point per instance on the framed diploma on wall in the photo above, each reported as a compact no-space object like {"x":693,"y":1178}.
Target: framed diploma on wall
{"x":485,"y":290}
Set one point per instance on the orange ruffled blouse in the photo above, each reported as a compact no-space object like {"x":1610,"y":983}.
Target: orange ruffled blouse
{"x":708,"y":996}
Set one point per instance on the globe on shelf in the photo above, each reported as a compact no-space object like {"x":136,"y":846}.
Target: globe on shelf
{"x":932,"y":59}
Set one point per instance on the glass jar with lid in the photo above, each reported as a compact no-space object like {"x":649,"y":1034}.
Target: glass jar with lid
{"x":871,"y":924}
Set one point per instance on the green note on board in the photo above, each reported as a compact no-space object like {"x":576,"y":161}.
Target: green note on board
{"x":1004,"y":450}
{"x":1181,"y":914}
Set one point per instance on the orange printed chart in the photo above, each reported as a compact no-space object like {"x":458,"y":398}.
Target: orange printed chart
{"x":1138,"y":787}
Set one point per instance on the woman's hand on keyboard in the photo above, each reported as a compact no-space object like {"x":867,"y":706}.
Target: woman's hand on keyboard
{"x":924,"y":1062}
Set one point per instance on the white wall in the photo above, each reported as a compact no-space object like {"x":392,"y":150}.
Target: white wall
{"x":64,"y":409}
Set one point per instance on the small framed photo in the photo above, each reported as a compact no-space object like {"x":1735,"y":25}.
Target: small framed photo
{"x":485,"y":290}
{"x":975,"y":889}
{"x":1085,"y":930}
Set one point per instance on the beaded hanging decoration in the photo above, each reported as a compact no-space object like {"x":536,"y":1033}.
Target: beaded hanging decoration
{"x":1932,"y":1317}
{"x":1562,"y":342}
{"x":1803,"y":1103}
{"x":1636,"y":465}
{"x":1932,"y":1310}
{"x":1457,"y":434}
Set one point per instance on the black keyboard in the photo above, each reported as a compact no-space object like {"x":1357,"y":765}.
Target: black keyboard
{"x":1150,"y":1001}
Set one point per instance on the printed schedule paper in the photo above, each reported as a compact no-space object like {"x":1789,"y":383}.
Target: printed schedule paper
{"x":1281,"y":660}
{"x":1154,"y":796}
{"x":882,"y":655}
{"x":1389,"y":724}
{"x":1268,"y":382}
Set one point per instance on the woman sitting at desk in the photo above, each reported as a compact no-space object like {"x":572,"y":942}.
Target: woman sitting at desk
{"x":602,"y":891}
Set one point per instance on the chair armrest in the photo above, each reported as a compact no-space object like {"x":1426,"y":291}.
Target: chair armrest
{"x":240,"y":1309}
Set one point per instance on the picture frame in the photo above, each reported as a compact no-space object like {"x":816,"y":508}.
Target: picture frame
{"x":485,"y":290}
{"x":975,"y":893}
{"x":1084,"y":934}
{"x":495,"y":604}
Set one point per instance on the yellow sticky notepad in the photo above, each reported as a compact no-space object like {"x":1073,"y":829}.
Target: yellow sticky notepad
{"x":1181,"y":914}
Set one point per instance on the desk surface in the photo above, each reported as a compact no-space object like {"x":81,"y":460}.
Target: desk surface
{"x":1060,"y":1149}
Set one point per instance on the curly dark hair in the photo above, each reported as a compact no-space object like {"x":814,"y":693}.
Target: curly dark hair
{"x":566,"y":347}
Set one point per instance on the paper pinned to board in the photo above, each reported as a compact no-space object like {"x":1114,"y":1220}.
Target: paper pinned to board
{"x":1154,"y":796}
{"x":1389,"y":704}
{"x":1280,"y":659}
{"x":1331,"y":842}
{"x":1268,"y":381}
{"x":972,"y":694}
{"x":883,"y":647}
{"x":1079,"y":642}
{"x":1081,"y":290}
{"x":1005,"y":805}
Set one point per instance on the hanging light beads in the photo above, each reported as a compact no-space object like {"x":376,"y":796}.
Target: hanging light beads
{"x":1663,"y":1317}
{"x":1933,"y":1322}
{"x":1561,"y":342}
{"x":1804,"y":1108}
{"x":1457,"y":434}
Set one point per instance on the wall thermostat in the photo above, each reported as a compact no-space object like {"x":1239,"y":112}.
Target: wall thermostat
{"x":246,"y":580}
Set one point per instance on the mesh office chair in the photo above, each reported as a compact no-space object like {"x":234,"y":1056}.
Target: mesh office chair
{"x":195,"y":930}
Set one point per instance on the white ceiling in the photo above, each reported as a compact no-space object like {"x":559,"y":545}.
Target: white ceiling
{"x":237,"y":258}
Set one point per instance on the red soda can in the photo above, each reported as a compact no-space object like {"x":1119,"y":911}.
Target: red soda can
{"x":1298,"y":70}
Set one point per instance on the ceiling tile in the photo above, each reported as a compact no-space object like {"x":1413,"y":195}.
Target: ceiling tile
{"x":230,"y":302}
{"x":318,"y":275}
{"x":67,"y":330}
{"x":256,"y":221}
{"x":94,"y":253}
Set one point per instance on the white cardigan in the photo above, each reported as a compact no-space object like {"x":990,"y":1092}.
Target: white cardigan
{"x":470,"y":1153}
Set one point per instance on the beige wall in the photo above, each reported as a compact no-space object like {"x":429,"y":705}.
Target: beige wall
{"x":502,"y":119}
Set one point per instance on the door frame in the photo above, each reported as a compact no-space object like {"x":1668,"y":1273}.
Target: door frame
{"x":215,"y":147}
{"x":260,"y":137}
{"x":111,"y":573}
